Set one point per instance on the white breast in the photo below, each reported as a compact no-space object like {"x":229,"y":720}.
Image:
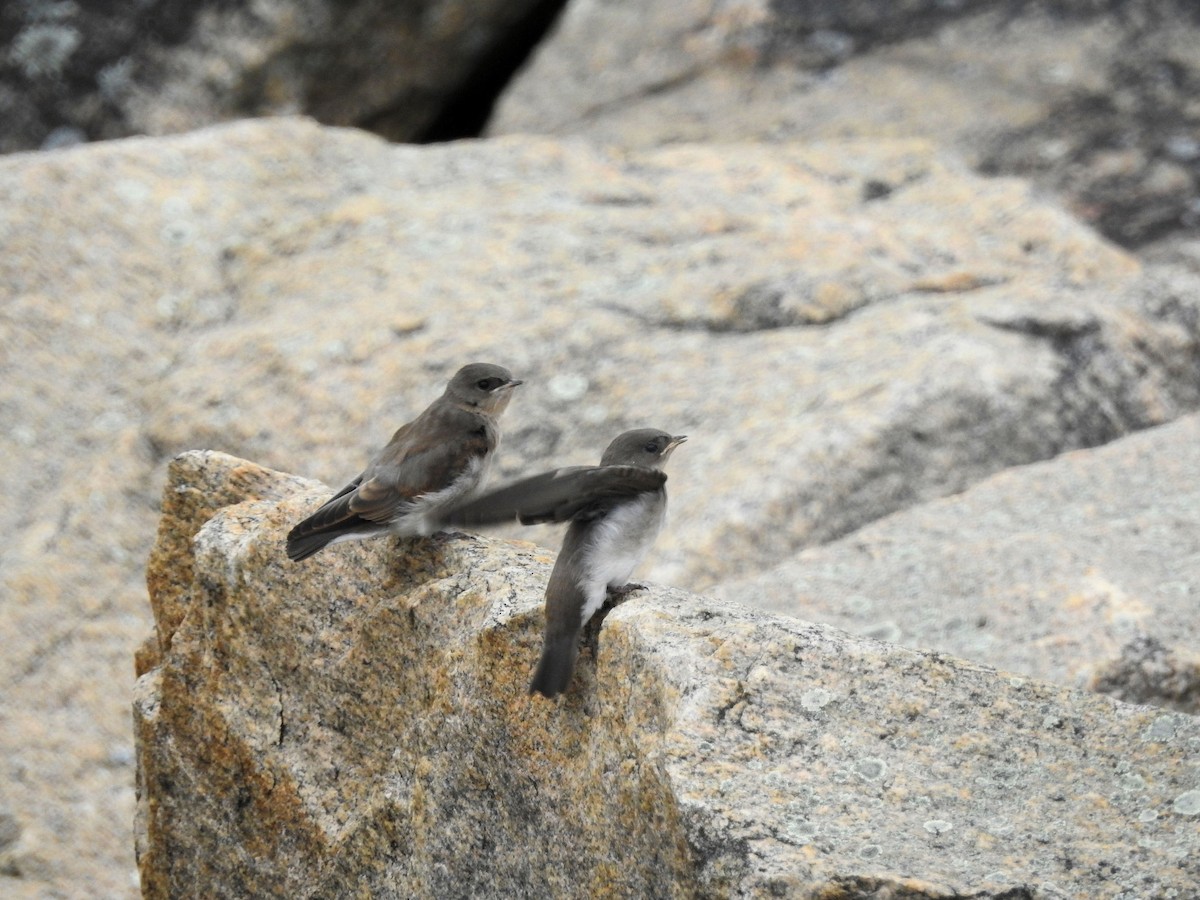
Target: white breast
{"x":620,"y":541}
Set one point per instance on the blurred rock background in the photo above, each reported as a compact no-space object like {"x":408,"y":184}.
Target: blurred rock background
{"x":787,"y":229}
{"x":72,"y":72}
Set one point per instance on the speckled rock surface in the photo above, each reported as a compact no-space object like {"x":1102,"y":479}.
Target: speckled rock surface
{"x":87,"y":71}
{"x":358,"y":724}
{"x":1094,"y":100}
{"x":869,"y":323}
{"x":902,"y":345}
{"x":1083,"y":570}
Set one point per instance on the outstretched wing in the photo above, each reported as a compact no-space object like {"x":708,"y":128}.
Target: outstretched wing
{"x":557,"y":496}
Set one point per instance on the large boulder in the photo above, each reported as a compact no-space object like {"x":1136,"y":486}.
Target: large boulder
{"x":77,"y":71}
{"x":845,"y":330}
{"x":358,"y":725}
{"x":1084,"y":570}
{"x":1094,"y":100}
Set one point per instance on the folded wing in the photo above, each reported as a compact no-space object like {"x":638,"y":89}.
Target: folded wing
{"x":406,"y":470}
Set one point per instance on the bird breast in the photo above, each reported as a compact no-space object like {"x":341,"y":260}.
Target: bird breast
{"x":619,"y":542}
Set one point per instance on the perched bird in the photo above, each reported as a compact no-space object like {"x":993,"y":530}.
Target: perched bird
{"x":616,"y":510}
{"x":439,"y":458}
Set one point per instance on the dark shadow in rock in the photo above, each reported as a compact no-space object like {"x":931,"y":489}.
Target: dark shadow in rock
{"x":467,"y":111}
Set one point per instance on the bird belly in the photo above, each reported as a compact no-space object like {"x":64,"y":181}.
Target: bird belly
{"x":620,"y":542}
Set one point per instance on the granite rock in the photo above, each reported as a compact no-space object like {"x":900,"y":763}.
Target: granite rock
{"x":72,"y":72}
{"x":1084,"y":570}
{"x":1095,"y":100}
{"x":358,"y":725}
{"x":870,"y":322}
{"x":903,"y":345}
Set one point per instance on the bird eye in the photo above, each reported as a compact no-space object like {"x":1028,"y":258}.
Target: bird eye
{"x":651,"y":447}
{"x":486,"y":384}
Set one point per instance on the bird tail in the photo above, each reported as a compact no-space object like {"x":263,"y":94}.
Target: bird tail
{"x":556,"y":665}
{"x":302,"y":546}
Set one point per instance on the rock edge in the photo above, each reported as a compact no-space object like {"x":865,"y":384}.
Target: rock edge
{"x":358,"y":725}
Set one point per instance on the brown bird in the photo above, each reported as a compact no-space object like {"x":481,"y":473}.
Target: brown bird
{"x":616,"y":510}
{"x":438,"y":459}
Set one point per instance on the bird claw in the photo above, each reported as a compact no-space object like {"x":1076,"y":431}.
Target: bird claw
{"x":617,"y":595}
{"x":613,"y":598}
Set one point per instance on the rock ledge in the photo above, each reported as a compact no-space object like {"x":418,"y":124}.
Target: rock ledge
{"x":357,"y":725}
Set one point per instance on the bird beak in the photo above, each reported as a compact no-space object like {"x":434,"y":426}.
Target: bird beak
{"x":510,"y":385}
{"x":676,"y":440}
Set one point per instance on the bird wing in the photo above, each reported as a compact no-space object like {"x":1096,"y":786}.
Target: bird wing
{"x":416,"y":461}
{"x":557,"y":496}
{"x":332,"y":514}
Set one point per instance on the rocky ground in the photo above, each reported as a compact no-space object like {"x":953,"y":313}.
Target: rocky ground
{"x":784,"y":236}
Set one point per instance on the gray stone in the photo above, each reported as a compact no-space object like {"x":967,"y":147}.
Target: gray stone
{"x":1095,"y":100}
{"x":72,"y":71}
{"x":359,"y":724}
{"x":887,"y":367}
{"x":1084,"y":570}
{"x":291,"y":293}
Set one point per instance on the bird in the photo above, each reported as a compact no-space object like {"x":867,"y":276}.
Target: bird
{"x":439,"y":458}
{"x":615,"y":510}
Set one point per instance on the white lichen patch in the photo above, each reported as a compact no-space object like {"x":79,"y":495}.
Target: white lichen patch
{"x":816,"y":699}
{"x":1161,"y":729}
{"x":871,"y":769}
{"x":1187,"y":803}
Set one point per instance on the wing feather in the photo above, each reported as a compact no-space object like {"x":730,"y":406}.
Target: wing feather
{"x":558,"y":496}
{"x":418,"y":460}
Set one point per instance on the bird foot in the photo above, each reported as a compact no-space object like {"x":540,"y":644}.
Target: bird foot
{"x":618,"y":595}
{"x":590,"y":640}
{"x":614,"y":598}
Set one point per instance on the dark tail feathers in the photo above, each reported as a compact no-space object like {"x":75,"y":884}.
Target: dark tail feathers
{"x":302,"y":546}
{"x":556,"y":665}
